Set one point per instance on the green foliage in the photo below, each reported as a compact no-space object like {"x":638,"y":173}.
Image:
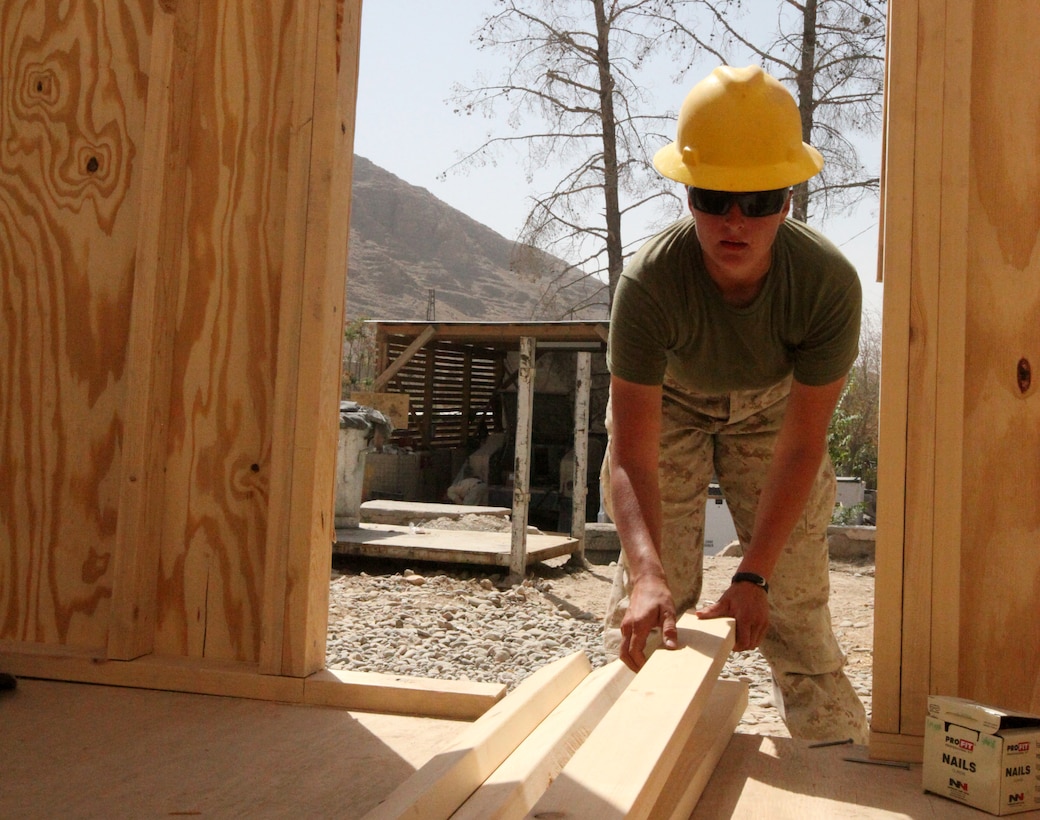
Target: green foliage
{"x":852,"y":439}
{"x":848,"y":516}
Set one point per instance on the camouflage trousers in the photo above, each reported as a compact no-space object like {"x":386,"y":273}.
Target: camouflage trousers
{"x":732,"y":436}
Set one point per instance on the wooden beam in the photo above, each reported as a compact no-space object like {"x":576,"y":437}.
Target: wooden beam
{"x":896,"y":262}
{"x":383,"y":379}
{"x":361,"y":691}
{"x":522,"y":458}
{"x":149,"y":347}
{"x":301,"y":513}
{"x":395,"y":694}
{"x":516,"y":785}
{"x":579,"y":492}
{"x":438,"y":789}
{"x":704,"y":748}
{"x":623,"y":766}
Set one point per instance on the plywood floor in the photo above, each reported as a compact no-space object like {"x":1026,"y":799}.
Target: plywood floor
{"x":80,"y":751}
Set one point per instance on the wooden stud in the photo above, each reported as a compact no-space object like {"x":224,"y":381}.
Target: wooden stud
{"x":515,"y":786}
{"x":301,"y":525}
{"x":131,"y":630}
{"x":623,"y":766}
{"x":897,"y":263}
{"x":438,"y":789}
{"x":951,"y":318}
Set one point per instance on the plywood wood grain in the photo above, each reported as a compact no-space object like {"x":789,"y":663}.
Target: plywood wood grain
{"x":1000,"y":561}
{"x":73,"y":114}
{"x":174,"y":211}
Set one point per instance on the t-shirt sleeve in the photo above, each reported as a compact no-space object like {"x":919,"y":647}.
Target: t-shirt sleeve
{"x":637,"y":344}
{"x":831,"y":345}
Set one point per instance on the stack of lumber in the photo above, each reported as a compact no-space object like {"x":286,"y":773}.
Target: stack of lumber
{"x":570,"y":742}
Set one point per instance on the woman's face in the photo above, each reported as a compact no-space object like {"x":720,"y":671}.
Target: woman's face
{"x":738,"y":248}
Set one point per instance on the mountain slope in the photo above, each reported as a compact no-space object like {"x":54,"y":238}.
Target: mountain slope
{"x":405,"y":242}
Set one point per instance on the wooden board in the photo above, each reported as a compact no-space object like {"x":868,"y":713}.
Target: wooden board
{"x":515,"y":786}
{"x":403,"y":513}
{"x":450,"y":546}
{"x":400,"y":695}
{"x":388,"y":694}
{"x":696,"y":763}
{"x":440,"y":787}
{"x":622,"y":768}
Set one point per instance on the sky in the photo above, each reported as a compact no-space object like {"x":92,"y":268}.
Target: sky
{"x":413,"y":51}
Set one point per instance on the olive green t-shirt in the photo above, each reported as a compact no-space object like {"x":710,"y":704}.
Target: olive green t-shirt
{"x":669,"y":316}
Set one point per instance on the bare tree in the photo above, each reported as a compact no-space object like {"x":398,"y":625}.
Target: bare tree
{"x":575,"y":102}
{"x":831,"y":54}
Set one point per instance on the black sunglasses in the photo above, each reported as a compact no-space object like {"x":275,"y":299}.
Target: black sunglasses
{"x":754,"y":203}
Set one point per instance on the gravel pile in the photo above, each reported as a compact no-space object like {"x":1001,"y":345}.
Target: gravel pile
{"x":453,"y":626}
{"x":450,"y":623}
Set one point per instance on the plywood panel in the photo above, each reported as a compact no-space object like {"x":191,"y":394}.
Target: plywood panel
{"x":72,"y":110}
{"x":174,"y":209}
{"x":1001,"y":564}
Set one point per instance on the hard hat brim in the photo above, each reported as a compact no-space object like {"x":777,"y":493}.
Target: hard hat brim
{"x":669,"y":163}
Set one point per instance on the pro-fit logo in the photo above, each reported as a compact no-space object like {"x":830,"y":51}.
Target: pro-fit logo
{"x":1018,"y":748}
{"x":960,"y":743}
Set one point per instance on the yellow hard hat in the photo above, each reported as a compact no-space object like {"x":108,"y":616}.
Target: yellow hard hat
{"x":739,"y":130}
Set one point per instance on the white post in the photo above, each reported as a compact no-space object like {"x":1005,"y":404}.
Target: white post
{"x":522,"y":460}
{"x":582,"y":390}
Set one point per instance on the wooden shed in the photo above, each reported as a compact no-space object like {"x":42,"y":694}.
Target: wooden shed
{"x":454,"y":385}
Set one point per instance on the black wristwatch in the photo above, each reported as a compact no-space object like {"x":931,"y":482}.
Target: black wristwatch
{"x":751,"y":578}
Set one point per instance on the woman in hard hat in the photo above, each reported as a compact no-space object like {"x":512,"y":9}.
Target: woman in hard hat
{"x":731,"y":334}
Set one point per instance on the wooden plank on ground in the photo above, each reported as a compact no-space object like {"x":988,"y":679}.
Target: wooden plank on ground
{"x":359,"y":691}
{"x":515,"y":786}
{"x":621,"y":769}
{"x":403,"y":513}
{"x":452,"y":546}
{"x":704,"y":748}
{"x":438,"y":789}
{"x":174,"y":674}
{"x":399,"y":695}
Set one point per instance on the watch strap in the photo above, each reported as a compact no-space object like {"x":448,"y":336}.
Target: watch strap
{"x":751,"y":578}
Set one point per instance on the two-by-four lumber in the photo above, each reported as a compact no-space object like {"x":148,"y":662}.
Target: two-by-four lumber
{"x":515,"y":786}
{"x":623,"y":767}
{"x":704,"y":748}
{"x":439,"y":787}
{"x":396,"y":694}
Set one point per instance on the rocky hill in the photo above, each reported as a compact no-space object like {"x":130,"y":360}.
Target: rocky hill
{"x":405,"y":242}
